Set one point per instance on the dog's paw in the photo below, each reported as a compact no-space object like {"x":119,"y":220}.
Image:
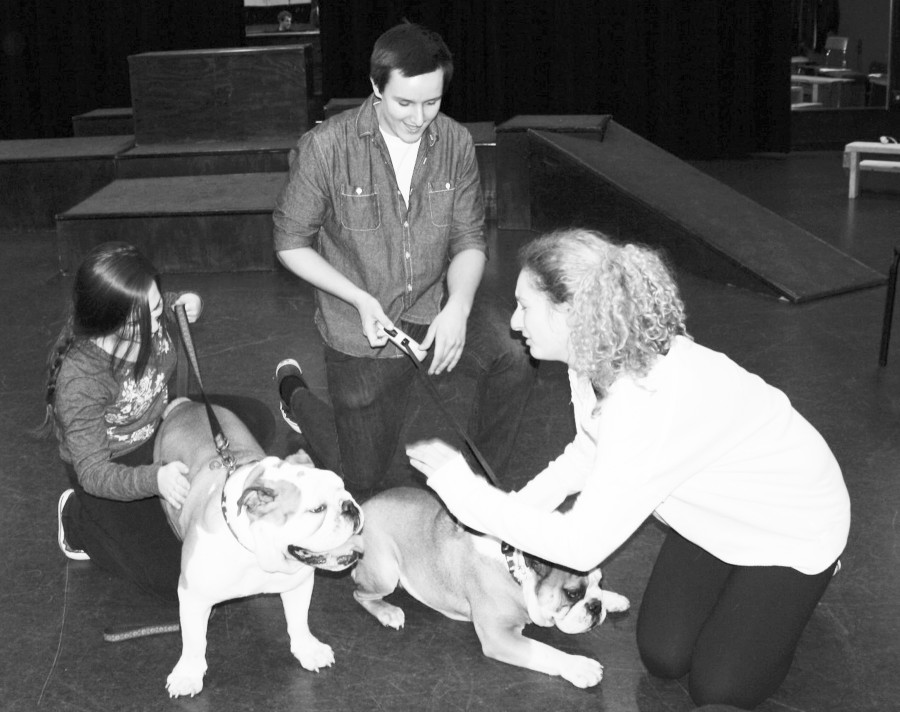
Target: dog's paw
{"x":388,"y":615}
{"x":582,"y":672}
{"x":313,"y":655}
{"x":614,"y":602}
{"x":182,"y":682}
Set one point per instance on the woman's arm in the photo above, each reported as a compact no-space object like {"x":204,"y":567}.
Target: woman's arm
{"x":80,"y":408}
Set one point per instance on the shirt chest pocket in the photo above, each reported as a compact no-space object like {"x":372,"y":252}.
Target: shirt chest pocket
{"x":440,"y":202}
{"x":359,"y":208}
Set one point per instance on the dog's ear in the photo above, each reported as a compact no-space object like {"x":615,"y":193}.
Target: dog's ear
{"x":256,"y":498}
{"x":301,"y":457}
{"x":540,"y":567}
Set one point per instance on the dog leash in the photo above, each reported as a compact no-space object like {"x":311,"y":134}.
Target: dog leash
{"x":404,"y":346}
{"x":219,"y":439}
{"x":514,"y":558}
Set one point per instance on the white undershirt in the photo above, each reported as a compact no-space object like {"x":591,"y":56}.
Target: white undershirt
{"x":403,"y":156}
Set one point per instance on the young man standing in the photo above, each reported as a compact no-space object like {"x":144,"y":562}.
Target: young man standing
{"x":383,"y":214}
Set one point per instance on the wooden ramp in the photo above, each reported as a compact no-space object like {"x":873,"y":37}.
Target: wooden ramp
{"x":633,"y":190}
{"x":212,"y":223}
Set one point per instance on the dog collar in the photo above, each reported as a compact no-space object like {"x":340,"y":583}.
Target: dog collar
{"x":225,"y":506}
{"x":515,"y":562}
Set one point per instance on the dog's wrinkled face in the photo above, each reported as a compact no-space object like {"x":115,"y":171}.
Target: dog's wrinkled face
{"x":298,"y":513}
{"x":572,"y":602}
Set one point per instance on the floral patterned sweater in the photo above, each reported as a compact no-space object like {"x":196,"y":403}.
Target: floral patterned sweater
{"x":102,"y":415}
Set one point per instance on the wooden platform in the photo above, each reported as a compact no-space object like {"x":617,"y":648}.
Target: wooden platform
{"x":263,"y":155}
{"x":216,"y":223}
{"x":42,"y":177}
{"x":513,"y":178}
{"x":220,"y":94}
{"x":633,"y":190}
{"x":104,"y":122}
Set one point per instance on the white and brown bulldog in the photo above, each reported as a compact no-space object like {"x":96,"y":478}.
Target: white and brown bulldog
{"x":259,"y":529}
{"x":410,"y":540}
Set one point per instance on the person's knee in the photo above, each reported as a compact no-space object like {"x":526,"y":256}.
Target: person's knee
{"x":732,"y":682}
{"x":663,"y":659}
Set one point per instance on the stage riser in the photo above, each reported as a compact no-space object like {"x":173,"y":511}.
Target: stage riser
{"x":104,"y":122}
{"x":223,"y":94}
{"x":219,"y":223}
{"x":41,"y":178}
{"x":202,"y":243}
{"x":194,"y":165}
{"x":34,"y":193}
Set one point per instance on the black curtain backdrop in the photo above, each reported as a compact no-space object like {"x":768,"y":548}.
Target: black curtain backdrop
{"x":704,"y":78}
{"x":60,"y":59}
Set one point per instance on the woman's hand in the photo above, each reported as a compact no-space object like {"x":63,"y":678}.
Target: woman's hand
{"x":193,"y":305}
{"x":173,"y":485}
{"x":429,"y":456}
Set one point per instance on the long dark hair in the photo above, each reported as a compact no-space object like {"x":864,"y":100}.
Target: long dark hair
{"x":109,"y":297}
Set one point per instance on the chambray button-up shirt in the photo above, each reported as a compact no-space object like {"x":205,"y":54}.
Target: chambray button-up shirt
{"x":342,"y":197}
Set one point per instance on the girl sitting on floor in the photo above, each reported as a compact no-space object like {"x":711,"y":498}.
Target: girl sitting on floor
{"x":107,"y":388}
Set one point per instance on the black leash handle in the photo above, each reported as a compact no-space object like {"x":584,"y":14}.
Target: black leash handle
{"x":218,"y":434}
{"x":432,"y":390}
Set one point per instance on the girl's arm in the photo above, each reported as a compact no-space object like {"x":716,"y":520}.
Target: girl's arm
{"x":80,"y":408}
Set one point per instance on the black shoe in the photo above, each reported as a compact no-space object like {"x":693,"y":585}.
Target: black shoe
{"x":290,"y":378}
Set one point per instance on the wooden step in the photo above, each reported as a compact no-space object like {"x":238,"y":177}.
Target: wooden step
{"x":104,"y":122}
{"x":262,"y":155}
{"x":215,"y":223}
{"x":42,"y":177}
{"x":220,"y":94}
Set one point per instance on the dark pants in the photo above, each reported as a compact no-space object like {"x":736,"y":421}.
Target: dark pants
{"x":733,"y":628}
{"x":370,"y":399}
{"x":133,"y":540}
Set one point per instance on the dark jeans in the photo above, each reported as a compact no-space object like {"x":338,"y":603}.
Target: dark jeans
{"x":733,"y":628}
{"x":370,"y":401}
{"x":133,"y":540}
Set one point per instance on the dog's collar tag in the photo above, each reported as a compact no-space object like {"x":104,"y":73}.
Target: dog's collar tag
{"x":515,"y":562}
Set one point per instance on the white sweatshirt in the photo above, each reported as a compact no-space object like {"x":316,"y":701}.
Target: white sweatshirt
{"x":710,"y":449}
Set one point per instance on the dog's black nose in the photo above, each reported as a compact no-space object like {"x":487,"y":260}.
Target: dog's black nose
{"x":595,"y":607}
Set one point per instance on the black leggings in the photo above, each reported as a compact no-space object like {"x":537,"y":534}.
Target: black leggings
{"x":133,"y":540}
{"x":733,"y":628}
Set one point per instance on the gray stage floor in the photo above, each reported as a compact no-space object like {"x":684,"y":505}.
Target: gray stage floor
{"x":822,"y":354}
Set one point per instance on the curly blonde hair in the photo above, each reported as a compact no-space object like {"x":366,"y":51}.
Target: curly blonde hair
{"x":625,"y":305}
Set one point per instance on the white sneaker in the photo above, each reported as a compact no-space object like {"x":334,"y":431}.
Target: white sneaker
{"x":74,"y":554}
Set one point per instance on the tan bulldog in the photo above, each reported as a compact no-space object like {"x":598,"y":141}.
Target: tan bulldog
{"x":411,"y":541}
{"x":260,"y":529}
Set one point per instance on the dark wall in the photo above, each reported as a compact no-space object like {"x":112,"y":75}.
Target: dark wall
{"x":701,"y":78}
{"x":60,"y":59}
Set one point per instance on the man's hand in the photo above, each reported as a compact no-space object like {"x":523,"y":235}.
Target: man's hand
{"x":373,"y":318}
{"x":448,"y":334}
